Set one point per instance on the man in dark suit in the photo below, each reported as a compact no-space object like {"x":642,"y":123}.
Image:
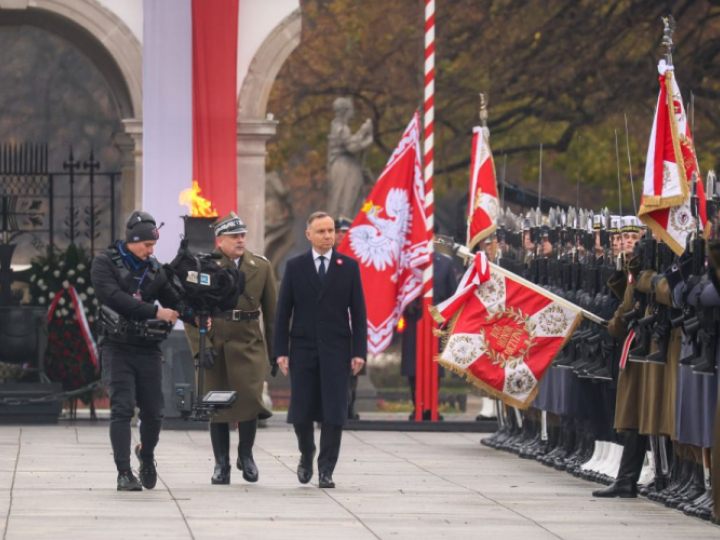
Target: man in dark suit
{"x":321,"y":294}
{"x":444,"y":285}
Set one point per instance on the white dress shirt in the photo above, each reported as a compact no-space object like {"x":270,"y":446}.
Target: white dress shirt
{"x":316,"y":258}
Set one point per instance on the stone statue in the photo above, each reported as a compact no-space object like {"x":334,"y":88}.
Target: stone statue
{"x":346,"y":178}
{"x":279,"y":218}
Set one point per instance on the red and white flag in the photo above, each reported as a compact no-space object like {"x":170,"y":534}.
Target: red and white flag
{"x":81,"y":319}
{"x":190,"y":109}
{"x":669,"y":170}
{"x":483,"y":206}
{"x":389,"y":239}
{"x":503,"y":333}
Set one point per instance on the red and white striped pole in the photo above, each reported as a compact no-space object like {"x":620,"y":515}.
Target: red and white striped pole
{"x":427,"y":374}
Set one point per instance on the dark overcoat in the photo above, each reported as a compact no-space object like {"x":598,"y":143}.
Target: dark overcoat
{"x":444,"y":286}
{"x":321,"y":327}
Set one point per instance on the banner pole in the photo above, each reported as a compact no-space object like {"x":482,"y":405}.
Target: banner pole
{"x":427,"y":378}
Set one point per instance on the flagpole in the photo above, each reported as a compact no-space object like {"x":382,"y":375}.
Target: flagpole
{"x":540,"y":181}
{"x":632,"y":183}
{"x":427,"y":373}
{"x":617,"y":159}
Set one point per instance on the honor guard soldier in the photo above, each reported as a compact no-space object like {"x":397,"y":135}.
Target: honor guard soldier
{"x":632,"y":231}
{"x":128,"y":281}
{"x":240,"y":345}
{"x":342,"y":226}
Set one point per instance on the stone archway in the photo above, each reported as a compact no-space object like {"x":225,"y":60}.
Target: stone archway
{"x":255,"y":127}
{"x":117,"y":54}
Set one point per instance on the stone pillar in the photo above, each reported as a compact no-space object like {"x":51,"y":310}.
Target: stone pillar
{"x":252,"y":137}
{"x":130,"y":145}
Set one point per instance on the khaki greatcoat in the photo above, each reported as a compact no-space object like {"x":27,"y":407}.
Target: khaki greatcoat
{"x":646,"y":392}
{"x":241,"y":347}
{"x":626,"y":413}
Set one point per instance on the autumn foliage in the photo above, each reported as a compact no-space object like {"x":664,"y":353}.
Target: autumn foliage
{"x":563,"y":73}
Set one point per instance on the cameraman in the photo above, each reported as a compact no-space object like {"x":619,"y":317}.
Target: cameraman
{"x":129,"y":280}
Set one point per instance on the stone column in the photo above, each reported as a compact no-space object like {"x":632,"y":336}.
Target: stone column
{"x":252,"y":137}
{"x":130,"y":145}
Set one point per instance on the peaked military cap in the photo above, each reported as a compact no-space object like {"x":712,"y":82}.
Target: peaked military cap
{"x":342,"y":224}
{"x":632,"y":224}
{"x":230,"y":224}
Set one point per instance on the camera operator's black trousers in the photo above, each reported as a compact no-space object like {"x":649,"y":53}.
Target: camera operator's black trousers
{"x":134,"y":376}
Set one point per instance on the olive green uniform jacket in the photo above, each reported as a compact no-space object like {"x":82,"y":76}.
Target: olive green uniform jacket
{"x":646,"y":392}
{"x":241,"y":347}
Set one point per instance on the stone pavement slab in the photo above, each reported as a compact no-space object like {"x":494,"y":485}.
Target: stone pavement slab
{"x":58,"y":482}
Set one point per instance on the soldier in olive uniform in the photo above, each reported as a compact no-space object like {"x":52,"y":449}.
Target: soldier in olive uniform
{"x":241,"y":350}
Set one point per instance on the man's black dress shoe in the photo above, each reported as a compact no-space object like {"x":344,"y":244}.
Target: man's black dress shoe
{"x":305,"y":468}
{"x":616,"y":490}
{"x":247,"y":465}
{"x":326,"y":480}
{"x":126,"y":481}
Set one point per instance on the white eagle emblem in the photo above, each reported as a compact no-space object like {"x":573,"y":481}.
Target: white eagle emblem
{"x":381,"y":243}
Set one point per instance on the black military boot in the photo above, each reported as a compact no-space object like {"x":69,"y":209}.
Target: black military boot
{"x":220,"y":438}
{"x":126,"y":481}
{"x":245,"y":461}
{"x":625,"y":485}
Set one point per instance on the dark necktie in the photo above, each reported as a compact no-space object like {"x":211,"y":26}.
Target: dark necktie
{"x":321,"y":270}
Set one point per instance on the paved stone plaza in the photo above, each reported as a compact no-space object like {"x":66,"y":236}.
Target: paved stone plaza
{"x":58,"y":482}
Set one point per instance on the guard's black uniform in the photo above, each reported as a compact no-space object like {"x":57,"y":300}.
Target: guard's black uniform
{"x":132,"y":366}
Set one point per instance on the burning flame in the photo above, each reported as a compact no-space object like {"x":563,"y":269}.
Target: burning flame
{"x":401,"y":324}
{"x":198,"y":206}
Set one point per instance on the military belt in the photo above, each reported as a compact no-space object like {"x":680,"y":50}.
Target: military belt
{"x":238,"y":315}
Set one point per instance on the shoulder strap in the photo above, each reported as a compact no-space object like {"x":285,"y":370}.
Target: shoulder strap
{"x":117,"y":258}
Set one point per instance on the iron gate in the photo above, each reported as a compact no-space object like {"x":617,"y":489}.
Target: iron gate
{"x":76,"y":205}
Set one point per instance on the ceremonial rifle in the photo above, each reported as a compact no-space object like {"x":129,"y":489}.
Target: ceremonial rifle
{"x":636,"y":319}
